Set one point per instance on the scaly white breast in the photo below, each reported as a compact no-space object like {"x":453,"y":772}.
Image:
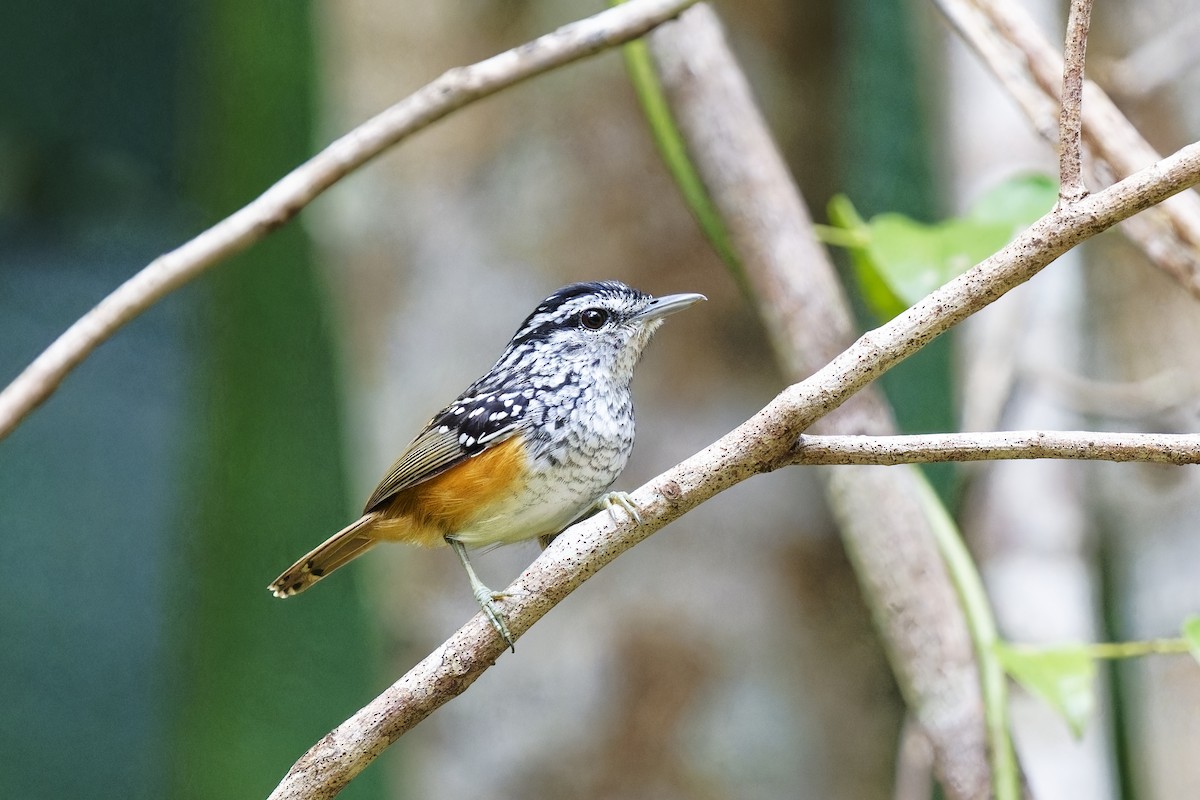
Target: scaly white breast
{"x":573,"y":460}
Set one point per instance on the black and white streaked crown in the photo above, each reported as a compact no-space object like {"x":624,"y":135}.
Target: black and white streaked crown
{"x":563,"y":309}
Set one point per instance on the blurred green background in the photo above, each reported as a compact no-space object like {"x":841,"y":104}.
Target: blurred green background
{"x":142,"y":656}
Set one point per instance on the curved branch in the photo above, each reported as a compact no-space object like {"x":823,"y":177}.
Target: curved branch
{"x":761,"y":444}
{"x":276,"y":206}
{"x":1156,"y":448}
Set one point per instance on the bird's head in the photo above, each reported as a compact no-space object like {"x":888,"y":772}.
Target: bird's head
{"x":602,"y":325}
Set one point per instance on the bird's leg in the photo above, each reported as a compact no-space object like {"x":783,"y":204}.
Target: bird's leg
{"x":609,"y":500}
{"x":483,"y":595}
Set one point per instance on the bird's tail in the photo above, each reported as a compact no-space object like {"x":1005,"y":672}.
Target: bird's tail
{"x":344,"y":546}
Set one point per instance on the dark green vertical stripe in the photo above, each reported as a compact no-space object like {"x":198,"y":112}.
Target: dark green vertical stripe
{"x":887,"y":166}
{"x":262,"y":679}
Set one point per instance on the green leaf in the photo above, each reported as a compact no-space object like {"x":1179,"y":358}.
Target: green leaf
{"x":898,"y":260}
{"x":873,"y":288}
{"x":1063,"y":677}
{"x":914,"y":258}
{"x":1191,"y":635}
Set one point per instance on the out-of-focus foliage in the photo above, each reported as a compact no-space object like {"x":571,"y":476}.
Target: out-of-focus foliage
{"x":1063,"y":677}
{"x":886,"y":162}
{"x":898,"y":260}
{"x":1191,"y":633}
{"x":144,"y":507}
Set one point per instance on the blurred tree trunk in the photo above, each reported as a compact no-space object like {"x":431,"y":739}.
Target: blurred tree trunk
{"x":1142,"y":329}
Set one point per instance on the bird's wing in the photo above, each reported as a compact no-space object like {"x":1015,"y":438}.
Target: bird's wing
{"x":465,"y":428}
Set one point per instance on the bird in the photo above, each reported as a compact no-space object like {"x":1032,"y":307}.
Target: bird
{"x":526,"y":450}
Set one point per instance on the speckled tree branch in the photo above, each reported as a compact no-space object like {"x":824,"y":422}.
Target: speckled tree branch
{"x":1156,"y":448}
{"x":280,"y":203}
{"x":1070,"y":118}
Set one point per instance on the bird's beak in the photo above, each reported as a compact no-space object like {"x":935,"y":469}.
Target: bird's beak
{"x":660,"y":307}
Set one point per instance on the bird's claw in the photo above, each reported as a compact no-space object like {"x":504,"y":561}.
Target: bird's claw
{"x":610,"y":500}
{"x":487,"y":601}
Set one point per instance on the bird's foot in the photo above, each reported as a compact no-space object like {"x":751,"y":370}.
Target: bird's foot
{"x":611,"y":500}
{"x":487,"y":601}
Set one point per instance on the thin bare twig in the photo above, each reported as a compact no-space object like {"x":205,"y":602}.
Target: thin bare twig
{"x":1030,"y":69}
{"x":276,"y":206}
{"x":1070,"y":118}
{"x":1157,"y":448}
{"x":761,"y":444}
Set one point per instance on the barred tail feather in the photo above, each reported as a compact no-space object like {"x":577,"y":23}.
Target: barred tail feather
{"x":341,"y":548}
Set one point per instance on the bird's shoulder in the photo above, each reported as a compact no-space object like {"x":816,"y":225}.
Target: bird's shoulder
{"x":480,"y":418}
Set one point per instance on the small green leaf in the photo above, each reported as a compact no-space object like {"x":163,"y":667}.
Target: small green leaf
{"x":1191,"y":635}
{"x":874,"y":290}
{"x":1063,"y":677}
{"x":914,"y":258}
{"x":843,"y":213}
{"x":900,"y":260}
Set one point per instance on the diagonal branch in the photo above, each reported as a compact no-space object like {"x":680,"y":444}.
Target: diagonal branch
{"x":761,"y":444}
{"x":1031,"y":70}
{"x":1044,"y":241}
{"x":280,"y":203}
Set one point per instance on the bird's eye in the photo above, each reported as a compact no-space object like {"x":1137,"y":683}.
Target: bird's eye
{"x":593,"y":318}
